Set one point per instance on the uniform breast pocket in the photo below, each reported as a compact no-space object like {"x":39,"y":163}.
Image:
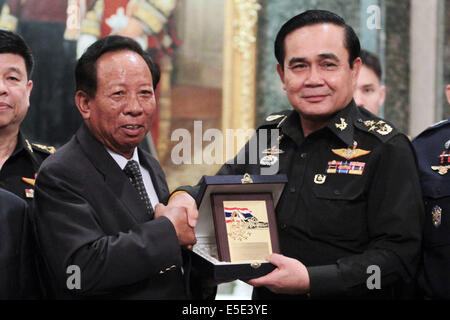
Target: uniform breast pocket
{"x":338,"y":208}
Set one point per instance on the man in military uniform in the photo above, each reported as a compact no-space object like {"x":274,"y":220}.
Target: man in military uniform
{"x":370,"y":93}
{"x":19,"y":162}
{"x":19,"y":158}
{"x":349,"y":219}
{"x":433,"y":152}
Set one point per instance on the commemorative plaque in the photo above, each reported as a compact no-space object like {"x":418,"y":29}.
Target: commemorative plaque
{"x":237,"y":229}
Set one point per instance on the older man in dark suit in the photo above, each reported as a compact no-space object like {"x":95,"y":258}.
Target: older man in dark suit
{"x":102,"y":228}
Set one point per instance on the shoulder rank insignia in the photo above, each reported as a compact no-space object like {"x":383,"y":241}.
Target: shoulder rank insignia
{"x":380,"y":127}
{"x":436,"y":214}
{"x":49,"y":149}
{"x":29,"y":146}
{"x":274,"y":117}
{"x":342,"y":125}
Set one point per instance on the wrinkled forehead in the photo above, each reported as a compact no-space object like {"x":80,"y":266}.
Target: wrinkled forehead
{"x":123,"y":64}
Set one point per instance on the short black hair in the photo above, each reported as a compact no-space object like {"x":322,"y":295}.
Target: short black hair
{"x":86,"y":68}
{"x":11,"y":42}
{"x":371,"y":61}
{"x":312,"y":17}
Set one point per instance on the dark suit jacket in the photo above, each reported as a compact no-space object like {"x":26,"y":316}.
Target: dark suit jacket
{"x":88,"y":214}
{"x":18,"y":278}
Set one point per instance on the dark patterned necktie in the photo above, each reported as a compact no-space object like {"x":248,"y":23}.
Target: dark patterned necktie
{"x":132,"y":171}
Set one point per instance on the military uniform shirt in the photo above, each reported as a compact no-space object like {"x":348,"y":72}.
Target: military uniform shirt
{"x":433,"y":153}
{"x":17,"y":174}
{"x":352,"y":201}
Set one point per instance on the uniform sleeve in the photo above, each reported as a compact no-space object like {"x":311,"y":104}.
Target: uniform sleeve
{"x":70,"y":234}
{"x":394,"y":219}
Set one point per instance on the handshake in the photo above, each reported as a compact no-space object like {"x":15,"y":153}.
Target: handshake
{"x":182,"y":212}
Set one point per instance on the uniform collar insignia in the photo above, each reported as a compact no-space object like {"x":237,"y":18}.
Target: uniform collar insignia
{"x":342,"y":125}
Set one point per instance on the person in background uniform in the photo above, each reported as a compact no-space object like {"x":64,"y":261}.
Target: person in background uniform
{"x":19,"y":158}
{"x":50,"y":28}
{"x":370,"y":93}
{"x":17,"y":268}
{"x":98,"y":203}
{"x":341,"y":217}
{"x":433,"y":152}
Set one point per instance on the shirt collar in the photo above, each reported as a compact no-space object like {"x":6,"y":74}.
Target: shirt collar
{"x":341,"y":125}
{"x":121,"y":160}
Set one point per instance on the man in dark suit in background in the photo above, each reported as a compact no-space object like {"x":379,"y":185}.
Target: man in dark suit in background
{"x":17,"y":272}
{"x":100,"y":224}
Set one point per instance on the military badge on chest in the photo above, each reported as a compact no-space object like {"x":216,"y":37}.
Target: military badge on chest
{"x":348,"y":167}
{"x":271,"y":155}
{"x":29,"y":192}
{"x":436,"y":214}
{"x":444,"y":160}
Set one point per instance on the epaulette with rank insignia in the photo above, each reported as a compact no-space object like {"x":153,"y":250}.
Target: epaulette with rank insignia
{"x":276,"y":119}
{"x":43,"y":148}
{"x":378,"y":127}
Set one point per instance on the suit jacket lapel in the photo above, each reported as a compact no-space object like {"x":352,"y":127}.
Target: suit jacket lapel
{"x":157,"y":175}
{"x":115,"y":178}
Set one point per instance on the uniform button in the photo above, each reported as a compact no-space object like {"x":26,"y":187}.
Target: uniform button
{"x":283,"y":226}
{"x":337,"y":192}
{"x":292,"y":189}
{"x":303,"y":155}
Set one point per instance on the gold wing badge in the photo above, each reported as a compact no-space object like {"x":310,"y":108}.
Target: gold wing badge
{"x":351,"y":153}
